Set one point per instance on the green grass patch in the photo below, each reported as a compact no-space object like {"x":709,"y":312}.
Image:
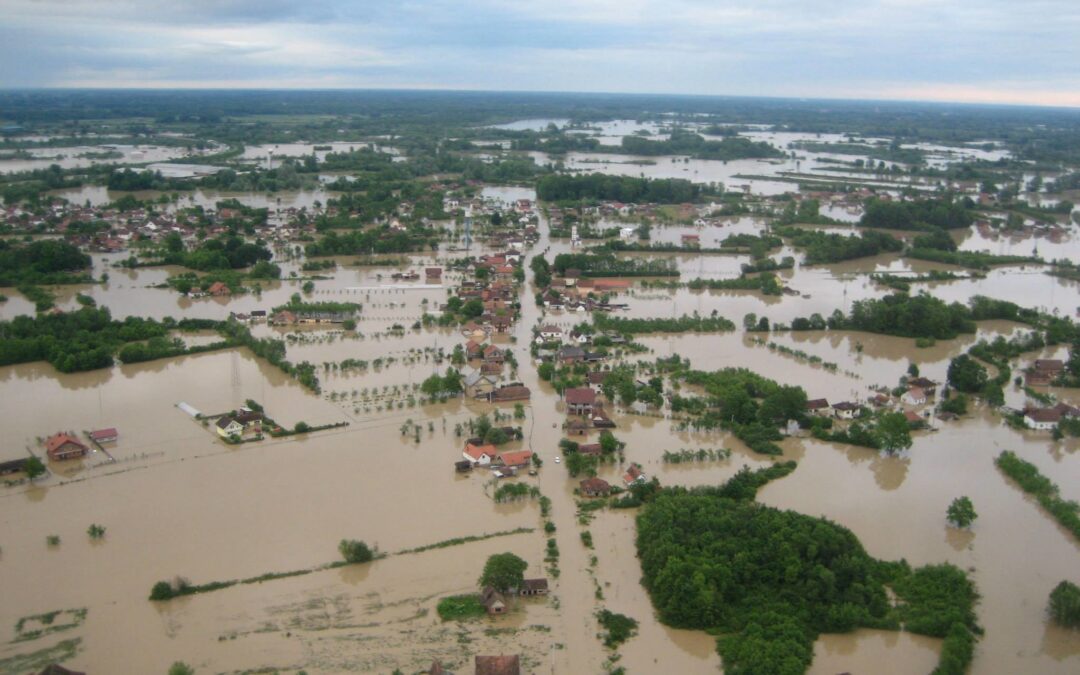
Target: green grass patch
{"x":460,"y":607}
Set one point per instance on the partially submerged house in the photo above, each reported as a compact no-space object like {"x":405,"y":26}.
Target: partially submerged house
{"x":104,"y":435}
{"x":534,"y":587}
{"x":634,"y":475}
{"x":493,"y":601}
{"x":595,"y":487}
{"x":65,"y":446}
{"x":580,"y":401}
{"x":1045,"y":419}
{"x":498,"y":665}
{"x":846,"y":410}
{"x":479,"y":454}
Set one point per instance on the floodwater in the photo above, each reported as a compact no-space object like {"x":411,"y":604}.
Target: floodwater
{"x":69,"y":158}
{"x":178,"y":501}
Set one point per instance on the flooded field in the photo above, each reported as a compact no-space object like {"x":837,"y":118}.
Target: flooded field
{"x":177,"y":500}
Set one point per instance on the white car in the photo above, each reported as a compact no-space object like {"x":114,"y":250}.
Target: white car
{"x":558,"y":459}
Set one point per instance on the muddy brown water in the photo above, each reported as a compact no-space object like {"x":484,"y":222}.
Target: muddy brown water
{"x":177,"y":501}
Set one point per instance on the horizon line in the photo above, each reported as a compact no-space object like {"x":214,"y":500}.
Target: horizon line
{"x":422,"y":89}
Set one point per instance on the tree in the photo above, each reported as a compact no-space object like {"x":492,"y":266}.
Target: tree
{"x":1064,"y":604}
{"x":961,"y":512}
{"x":33,"y":467}
{"x":966,"y":374}
{"x":503,"y":571}
{"x":519,"y":411}
{"x":355,"y":551}
{"x":181,"y":668}
{"x":96,"y":531}
{"x":608,"y":442}
{"x":893,"y":432}
{"x":579,"y":463}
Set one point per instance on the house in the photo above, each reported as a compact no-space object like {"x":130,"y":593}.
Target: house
{"x":218,"y":289}
{"x":691,"y":241}
{"x":1044,"y":372}
{"x":913,"y":419}
{"x":576,"y":427}
{"x":549,"y":333}
{"x":846,"y":410}
{"x":580,"y":401}
{"x":492,"y":601}
{"x":590,"y":449}
{"x":600,"y":420}
{"x":634,"y":475}
{"x":595,"y":487}
{"x":914,"y":396}
{"x":927,"y":385}
{"x":258,"y":315}
{"x":880,"y":400}
{"x":498,"y":665}
{"x":491,"y":369}
{"x":571,"y":354}
{"x":479,"y":454}
{"x":493,"y":354}
{"x":64,"y":446}
{"x":474,"y":349}
{"x":1045,"y":419}
{"x":249,"y":419}
{"x":227,"y":426}
{"x":104,"y":435}
{"x":463,"y":466}
{"x":479,"y":384}
{"x":283,"y":318}
{"x":515,"y":458}
{"x":11,"y":466}
{"x":511,"y":392}
{"x":596,"y":379}
{"x":433,"y":274}
{"x":534,"y":587}
{"x":579,"y":337}
{"x":818,"y":406}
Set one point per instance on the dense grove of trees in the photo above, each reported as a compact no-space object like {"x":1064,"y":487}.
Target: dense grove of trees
{"x":924,"y":214}
{"x":910,"y":316}
{"x":607,"y":265}
{"x":686,"y":143}
{"x":682,"y":324}
{"x":378,"y":240}
{"x":749,"y":405}
{"x":47,"y":261}
{"x":1064,"y":606}
{"x":822,"y":247}
{"x":772,"y":580}
{"x":75,"y":341}
{"x":597,"y":186}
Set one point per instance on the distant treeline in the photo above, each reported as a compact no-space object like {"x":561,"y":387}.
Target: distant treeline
{"x":42,"y":262}
{"x":597,"y":186}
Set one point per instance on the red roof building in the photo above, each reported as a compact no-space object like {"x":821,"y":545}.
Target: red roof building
{"x":63,"y":446}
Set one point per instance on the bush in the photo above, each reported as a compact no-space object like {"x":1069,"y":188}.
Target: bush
{"x":619,"y":627}
{"x":1064,"y":607}
{"x":457,"y":607}
{"x":355,"y":551}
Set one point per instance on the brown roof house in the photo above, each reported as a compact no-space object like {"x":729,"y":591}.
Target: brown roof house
{"x":63,"y":446}
{"x":580,"y":401}
{"x":534,"y":587}
{"x":595,"y":487}
{"x":498,"y":665}
{"x":493,"y":601}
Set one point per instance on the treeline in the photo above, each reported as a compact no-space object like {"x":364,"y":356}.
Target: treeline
{"x":1027,"y":476}
{"x":821,"y":247}
{"x":739,"y":400}
{"x":910,"y":316}
{"x":163,"y":348}
{"x":771,"y":581}
{"x":970,"y":259}
{"x":47,"y":261}
{"x":597,"y":186}
{"x":683,"y":142}
{"x":683,"y":324}
{"x":76,"y":341}
{"x":227,"y":252}
{"x":380,"y":240}
{"x":922,"y":214}
{"x":767,"y":283}
{"x":607,"y":265}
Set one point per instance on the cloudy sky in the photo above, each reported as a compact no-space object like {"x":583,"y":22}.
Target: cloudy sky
{"x":1000,"y":51}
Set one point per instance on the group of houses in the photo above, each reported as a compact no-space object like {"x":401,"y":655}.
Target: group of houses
{"x":235,"y":425}
{"x":66,"y":444}
{"x":585,"y":411}
{"x":503,"y":463}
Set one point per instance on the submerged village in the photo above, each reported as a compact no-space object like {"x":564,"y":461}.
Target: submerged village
{"x":538,"y":386}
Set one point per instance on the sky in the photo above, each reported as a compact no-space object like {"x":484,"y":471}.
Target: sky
{"x":985,"y":51}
